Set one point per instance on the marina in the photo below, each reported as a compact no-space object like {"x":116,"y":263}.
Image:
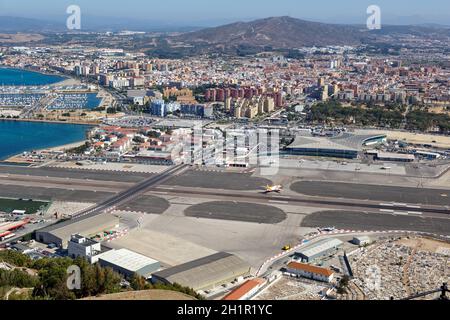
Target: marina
{"x":74,"y":101}
{"x":55,"y":101}
{"x":19,"y":100}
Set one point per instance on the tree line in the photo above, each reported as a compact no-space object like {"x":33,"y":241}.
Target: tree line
{"x":419,"y":119}
{"x":50,"y":283}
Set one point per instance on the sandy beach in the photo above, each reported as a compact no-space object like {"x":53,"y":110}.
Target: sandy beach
{"x":19,"y":159}
{"x":89,"y":123}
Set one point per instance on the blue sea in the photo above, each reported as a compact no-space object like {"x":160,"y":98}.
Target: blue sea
{"x":18,"y":77}
{"x":19,"y":136}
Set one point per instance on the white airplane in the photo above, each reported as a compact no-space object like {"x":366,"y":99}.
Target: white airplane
{"x":276,"y":188}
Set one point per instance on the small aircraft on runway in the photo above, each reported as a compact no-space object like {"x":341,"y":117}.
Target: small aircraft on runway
{"x":275,"y":188}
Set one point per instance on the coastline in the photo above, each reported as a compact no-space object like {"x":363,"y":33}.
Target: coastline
{"x":64,"y":79}
{"x":53,"y":121}
{"x":47,"y":73}
{"x":19,"y":159}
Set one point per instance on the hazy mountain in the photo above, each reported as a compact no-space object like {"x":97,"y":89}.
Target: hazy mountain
{"x":278,"y":32}
{"x":89,"y":23}
{"x":17,"y":24}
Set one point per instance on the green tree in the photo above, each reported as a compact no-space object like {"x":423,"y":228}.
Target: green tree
{"x":139,"y":283}
{"x":15,"y":258}
{"x":17,"y":278}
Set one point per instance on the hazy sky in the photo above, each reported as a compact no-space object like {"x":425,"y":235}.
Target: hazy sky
{"x":192,"y":11}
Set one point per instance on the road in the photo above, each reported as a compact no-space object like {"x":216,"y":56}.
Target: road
{"x":131,"y":193}
{"x":120,"y":198}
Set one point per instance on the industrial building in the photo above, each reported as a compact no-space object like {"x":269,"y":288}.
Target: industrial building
{"x":344,"y":145}
{"x":361,"y":241}
{"x":80,"y":246}
{"x":427,"y":155}
{"x":310,"y":272}
{"x":137,"y":97}
{"x":205,"y":273}
{"x":389,"y":156}
{"x":86,"y":248}
{"x":318,"y":249}
{"x":128,"y":263}
{"x":61,"y":233}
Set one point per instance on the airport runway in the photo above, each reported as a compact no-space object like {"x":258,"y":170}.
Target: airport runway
{"x":241,"y":202}
{"x":66,"y":183}
{"x":78,"y":190}
{"x":376,"y":221}
{"x":132,"y":193}
{"x":218,"y":180}
{"x":79,"y":174}
{"x":58,"y":193}
{"x":372,"y":192}
{"x":121,"y":198}
{"x":308,"y":201}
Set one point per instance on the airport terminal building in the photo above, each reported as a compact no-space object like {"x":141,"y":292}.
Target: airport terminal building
{"x":345,"y":145}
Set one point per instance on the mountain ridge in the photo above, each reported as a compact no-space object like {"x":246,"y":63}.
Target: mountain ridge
{"x":280,"y":32}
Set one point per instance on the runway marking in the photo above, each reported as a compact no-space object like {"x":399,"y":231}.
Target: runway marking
{"x":387,"y":210}
{"x":276,"y":201}
{"x":399,"y":204}
{"x":401,"y":213}
{"x":385,"y":204}
{"x":415,"y":212}
{"x":413,"y":207}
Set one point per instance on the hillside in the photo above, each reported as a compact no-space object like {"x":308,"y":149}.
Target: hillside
{"x":276,"y":32}
{"x":144,"y":295}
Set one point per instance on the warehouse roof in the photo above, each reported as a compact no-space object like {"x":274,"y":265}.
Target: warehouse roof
{"x":206,"y":272}
{"x":318,"y":143}
{"x":320,"y":247}
{"x":344,"y":141}
{"x":127,"y":259}
{"x":362,"y":238}
{"x":391,"y":155}
{"x":80,"y":225}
